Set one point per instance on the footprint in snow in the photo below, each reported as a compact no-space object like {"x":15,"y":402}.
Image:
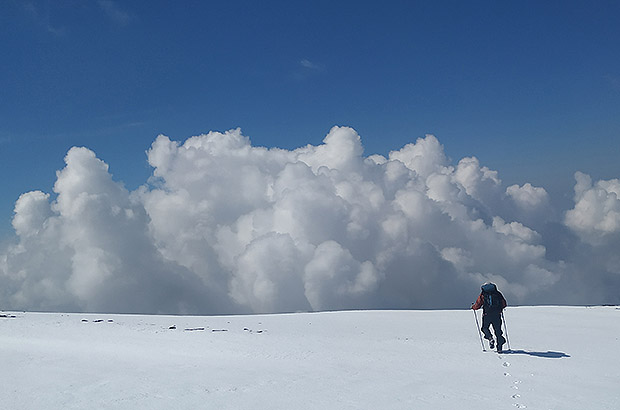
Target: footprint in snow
{"x":505,"y":364}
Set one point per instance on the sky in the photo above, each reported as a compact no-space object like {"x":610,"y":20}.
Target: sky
{"x":505,"y":113}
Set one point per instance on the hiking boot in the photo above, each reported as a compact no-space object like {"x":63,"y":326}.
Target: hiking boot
{"x":492,"y":343}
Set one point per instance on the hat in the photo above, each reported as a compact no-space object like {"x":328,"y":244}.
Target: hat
{"x":488,"y":287}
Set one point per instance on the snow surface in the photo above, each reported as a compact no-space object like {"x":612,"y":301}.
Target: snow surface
{"x":562,"y":358}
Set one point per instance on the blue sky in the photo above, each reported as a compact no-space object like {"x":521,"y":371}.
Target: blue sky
{"x":530,"y":88}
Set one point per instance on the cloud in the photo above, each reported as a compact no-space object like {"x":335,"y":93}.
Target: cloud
{"x":223,"y":226}
{"x":307,"y":69}
{"x":596,"y":215}
{"x":90,"y":250}
{"x":305,"y":63}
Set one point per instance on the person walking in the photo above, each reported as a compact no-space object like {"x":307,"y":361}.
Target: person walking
{"x":492,"y":303}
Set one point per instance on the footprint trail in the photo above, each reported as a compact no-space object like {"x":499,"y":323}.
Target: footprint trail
{"x":514,"y":385}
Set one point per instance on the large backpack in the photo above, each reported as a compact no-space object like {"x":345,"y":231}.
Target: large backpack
{"x":492,"y":302}
{"x":492,"y":299}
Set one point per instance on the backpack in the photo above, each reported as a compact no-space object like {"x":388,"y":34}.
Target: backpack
{"x":492,"y":301}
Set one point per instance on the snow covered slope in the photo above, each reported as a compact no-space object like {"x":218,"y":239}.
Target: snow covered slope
{"x":562,"y":358}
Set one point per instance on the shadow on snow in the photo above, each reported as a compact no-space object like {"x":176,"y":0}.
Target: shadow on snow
{"x":547,"y":354}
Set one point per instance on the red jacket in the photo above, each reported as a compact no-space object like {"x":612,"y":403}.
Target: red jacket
{"x":480,"y":301}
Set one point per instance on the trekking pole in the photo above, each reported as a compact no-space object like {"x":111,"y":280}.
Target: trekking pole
{"x":506,"y":330}
{"x":479,"y":332}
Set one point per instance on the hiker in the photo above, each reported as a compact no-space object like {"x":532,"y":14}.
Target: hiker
{"x":492,"y":303}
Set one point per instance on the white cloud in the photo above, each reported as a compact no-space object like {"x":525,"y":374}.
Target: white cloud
{"x":90,"y":249}
{"x":224,"y":226}
{"x":596,"y":215}
{"x":31,"y":211}
{"x":424,"y":157}
{"x":333,"y":279}
{"x":528,"y":196}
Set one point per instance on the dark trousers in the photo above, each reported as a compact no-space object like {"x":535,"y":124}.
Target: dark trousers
{"x":495,"y":320}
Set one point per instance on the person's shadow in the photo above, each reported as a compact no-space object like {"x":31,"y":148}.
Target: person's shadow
{"x":548,"y":354}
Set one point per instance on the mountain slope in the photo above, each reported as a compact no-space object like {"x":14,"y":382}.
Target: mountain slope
{"x":562,"y":358}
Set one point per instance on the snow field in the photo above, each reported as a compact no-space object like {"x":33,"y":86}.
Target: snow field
{"x":562,"y":358}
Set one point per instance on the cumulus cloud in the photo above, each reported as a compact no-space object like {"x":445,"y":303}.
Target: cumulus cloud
{"x":595,"y":222}
{"x":225,"y":226}
{"x":90,"y":249}
{"x":596,"y":215}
